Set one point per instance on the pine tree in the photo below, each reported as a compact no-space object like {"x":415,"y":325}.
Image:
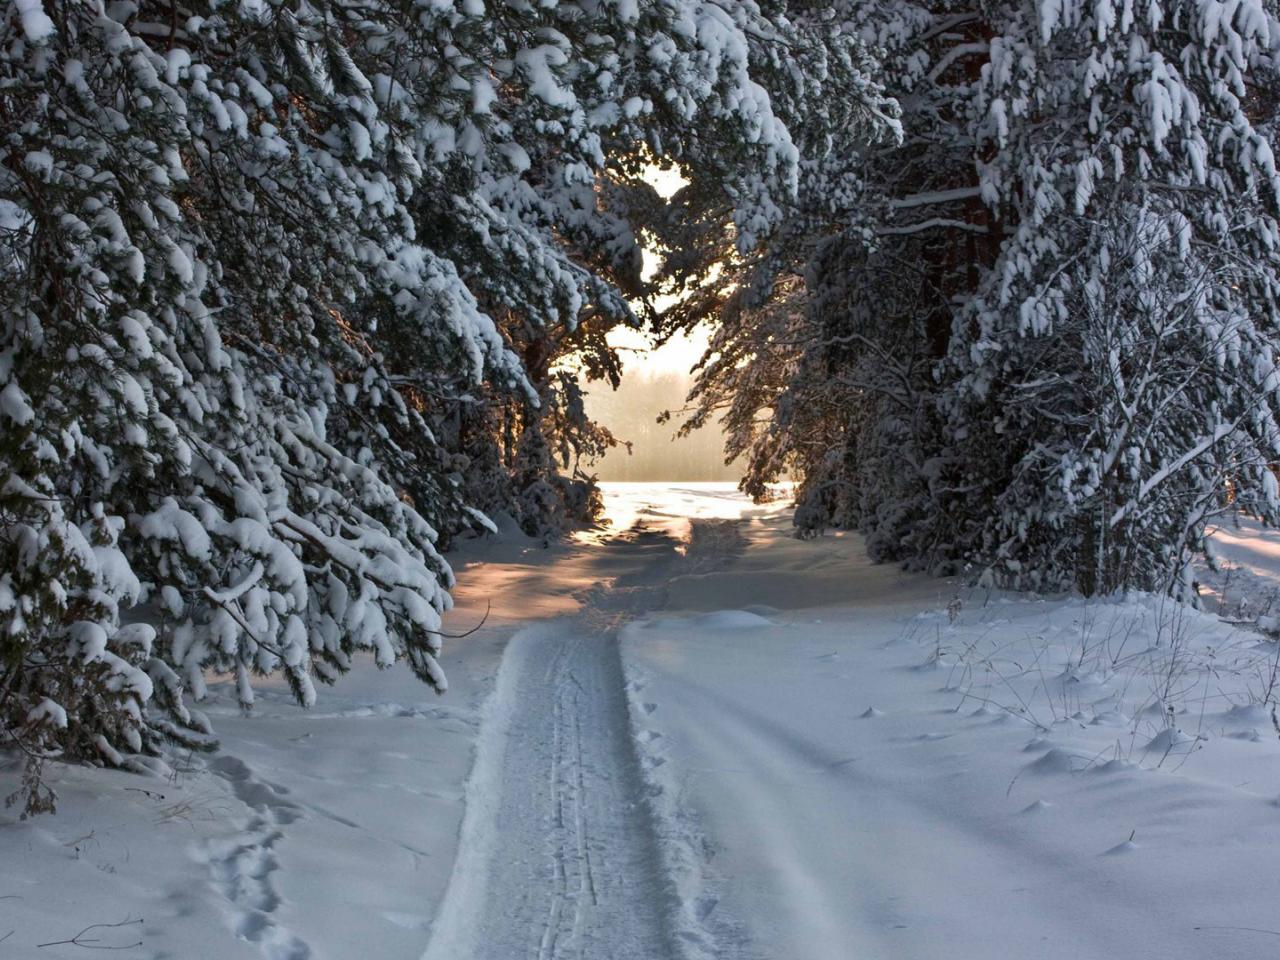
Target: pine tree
{"x":282,"y":284}
{"x":1042,"y":343}
{"x":1143,"y":246}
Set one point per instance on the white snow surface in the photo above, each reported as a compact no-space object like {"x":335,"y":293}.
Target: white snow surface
{"x":690,"y":735}
{"x":327,"y":833}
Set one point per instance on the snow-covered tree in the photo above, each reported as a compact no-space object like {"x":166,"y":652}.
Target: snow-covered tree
{"x":838,"y":344}
{"x":1044,"y":342}
{"x":276,"y":277}
{"x":1121,"y":354}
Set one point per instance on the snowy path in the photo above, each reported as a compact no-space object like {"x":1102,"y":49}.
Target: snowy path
{"x":571,"y":864}
{"x":560,"y":858}
{"x":843,"y":768}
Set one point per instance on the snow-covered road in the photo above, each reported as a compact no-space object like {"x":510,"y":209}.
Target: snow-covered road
{"x":816,"y":758}
{"x":564,"y":860}
{"x":694,"y":737}
{"x":559,"y":854}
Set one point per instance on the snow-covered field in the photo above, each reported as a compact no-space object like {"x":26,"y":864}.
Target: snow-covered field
{"x":698,"y":737}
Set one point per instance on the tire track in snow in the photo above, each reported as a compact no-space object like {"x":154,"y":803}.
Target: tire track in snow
{"x":559,"y":858}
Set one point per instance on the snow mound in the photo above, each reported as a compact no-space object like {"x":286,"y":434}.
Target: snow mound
{"x":733,"y":620}
{"x":1168,"y":739}
{"x":1249,"y":714}
{"x":1056,"y":760}
{"x":1128,"y":846}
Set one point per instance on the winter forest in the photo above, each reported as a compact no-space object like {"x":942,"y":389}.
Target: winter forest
{"x":309,"y":363}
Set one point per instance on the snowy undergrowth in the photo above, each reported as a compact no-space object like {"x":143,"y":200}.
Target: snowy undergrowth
{"x":1145,"y":680}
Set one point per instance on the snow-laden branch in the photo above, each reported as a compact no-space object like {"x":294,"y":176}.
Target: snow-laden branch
{"x":935,"y":197}
{"x":1206,"y":443}
{"x":933,"y":223}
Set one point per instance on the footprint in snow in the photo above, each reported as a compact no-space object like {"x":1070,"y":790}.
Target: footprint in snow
{"x":243,"y":866}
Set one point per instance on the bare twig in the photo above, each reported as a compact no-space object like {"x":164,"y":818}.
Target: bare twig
{"x":458,"y":636}
{"x":1274,"y":933}
{"x":92,"y":944}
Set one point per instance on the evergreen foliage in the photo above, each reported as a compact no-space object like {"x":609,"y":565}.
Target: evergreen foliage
{"x":283,"y":287}
{"x":1039,"y":342}
{"x":291,"y":294}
